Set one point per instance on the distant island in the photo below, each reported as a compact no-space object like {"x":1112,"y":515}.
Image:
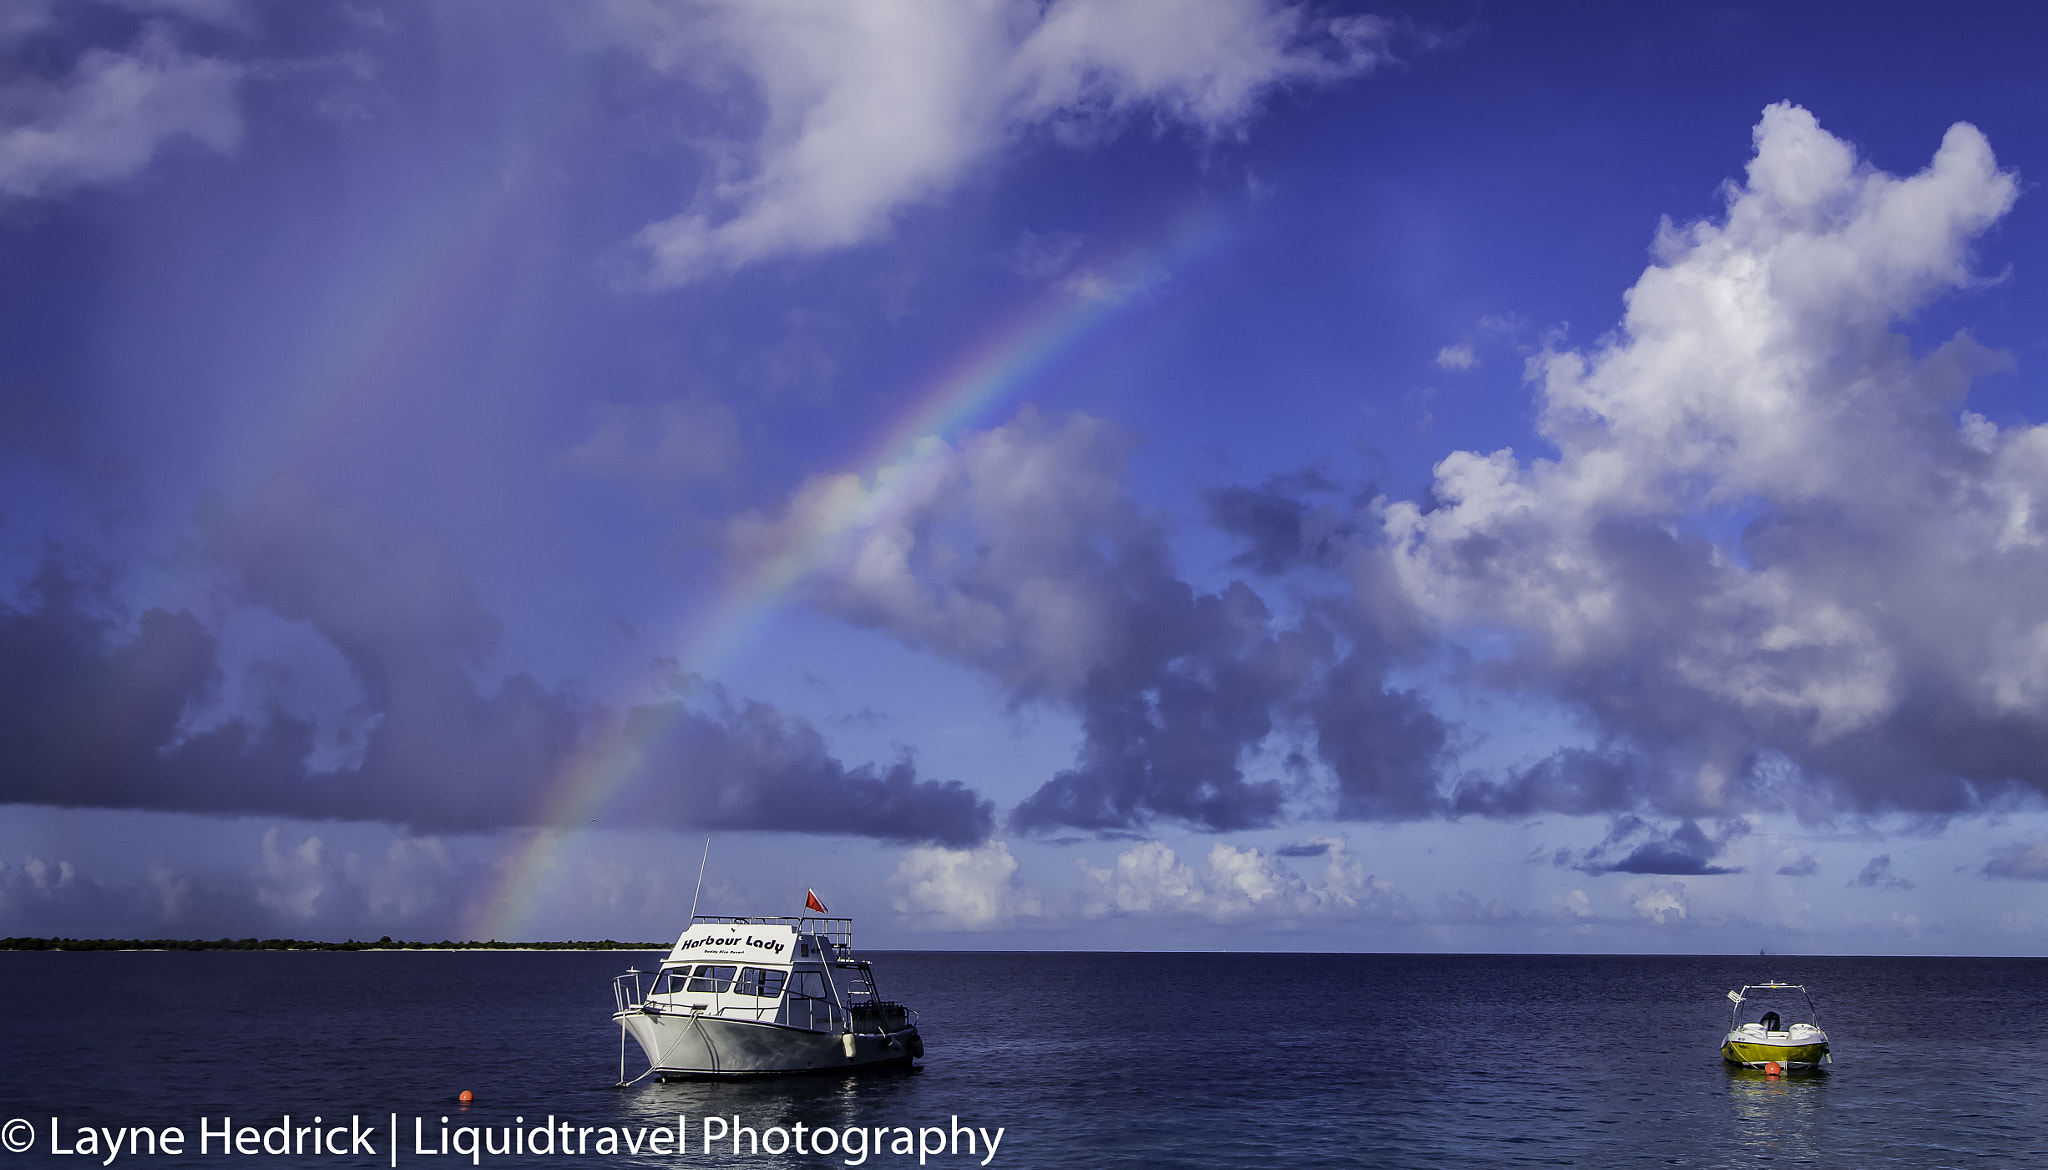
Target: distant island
{"x":298,"y":944}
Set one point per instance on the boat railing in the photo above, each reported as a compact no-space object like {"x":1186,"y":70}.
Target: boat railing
{"x":628,"y":1000}
{"x":817,"y":1013}
{"x":868,"y":1019}
{"x":882,"y":1017}
{"x":837,"y":933}
{"x":748,"y":919}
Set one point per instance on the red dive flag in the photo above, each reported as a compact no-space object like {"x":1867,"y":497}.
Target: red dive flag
{"x":811,"y":902}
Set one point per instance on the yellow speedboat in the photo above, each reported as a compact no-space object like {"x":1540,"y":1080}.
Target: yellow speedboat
{"x":1769,"y":1039}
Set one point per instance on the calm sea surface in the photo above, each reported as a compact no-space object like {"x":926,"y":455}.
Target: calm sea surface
{"x":1081,"y":1059}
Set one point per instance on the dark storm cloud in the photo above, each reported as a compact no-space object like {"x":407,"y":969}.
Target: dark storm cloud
{"x":1305,"y":849}
{"x":90,"y":715}
{"x":1168,"y":722}
{"x":1877,"y":875}
{"x":445,"y":751}
{"x":1943,"y":748}
{"x":2019,"y":862}
{"x":1023,"y":554}
{"x":1282,"y":522}
{"x":1574,"y":781}
{"x":1807,"y":865}
{"x":1385,"y":746}
{"x":749,"y":766}
{"x":1685,"y":851}
{"x":93,"y":709}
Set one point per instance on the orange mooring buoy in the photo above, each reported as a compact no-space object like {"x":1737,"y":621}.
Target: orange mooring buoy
{"x":1771,"y":1069}
{"x":466,"y":1096}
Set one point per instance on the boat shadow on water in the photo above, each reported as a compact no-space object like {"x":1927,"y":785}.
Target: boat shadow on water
{"x":758,"y":1105}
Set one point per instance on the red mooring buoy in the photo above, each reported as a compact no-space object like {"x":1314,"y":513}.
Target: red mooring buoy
{"x":466,"y":1096}
{"x":1771,"y":1069}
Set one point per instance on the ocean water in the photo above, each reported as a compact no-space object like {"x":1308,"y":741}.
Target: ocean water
{"x":1196,"y":1060}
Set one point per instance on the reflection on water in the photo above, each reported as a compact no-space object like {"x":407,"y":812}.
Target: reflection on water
{"x":769,"y":1119}
{"x":1777,"y":1118}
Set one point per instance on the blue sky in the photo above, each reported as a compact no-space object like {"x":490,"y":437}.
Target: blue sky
{"x":1250,"y":476}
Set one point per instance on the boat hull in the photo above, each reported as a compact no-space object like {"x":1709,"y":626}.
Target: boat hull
{"x":1751,"y":1054}
{"x":680,"y":1045}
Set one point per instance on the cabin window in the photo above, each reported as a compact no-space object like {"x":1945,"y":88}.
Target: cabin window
{"x":762,"y":983}
{"x":809,"y":985}
{"x":711,"y":980}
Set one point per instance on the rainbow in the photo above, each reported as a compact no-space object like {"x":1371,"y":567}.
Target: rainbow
{"x":394,"y":306}
{"x":907,"y":453}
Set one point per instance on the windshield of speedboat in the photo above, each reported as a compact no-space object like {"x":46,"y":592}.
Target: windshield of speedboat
{"x":1791,"y":1005}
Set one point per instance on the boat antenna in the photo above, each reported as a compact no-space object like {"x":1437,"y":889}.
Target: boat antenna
{"x":700,"y":879}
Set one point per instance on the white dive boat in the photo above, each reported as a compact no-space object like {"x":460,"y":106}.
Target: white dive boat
{"x":1769,"y":1039}
{"x":741,"y":997}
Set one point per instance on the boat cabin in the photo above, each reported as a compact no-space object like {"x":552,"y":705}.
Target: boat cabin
{"x":795,"y":972}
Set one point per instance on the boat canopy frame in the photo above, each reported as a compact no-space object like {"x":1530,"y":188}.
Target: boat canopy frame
{"x":1735,"y":1015}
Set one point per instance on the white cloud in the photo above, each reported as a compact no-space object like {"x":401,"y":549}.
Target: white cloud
{"x":1464,"y":908}
{"x":48,"y":879}
{"x":1148,"y":878}
{"x":1036,"y":596}
{"x":1456,"y":358}
{"x":961,"y":889}
{"x":170,"y":894}
{"x":2020,"y":861}
{"x":1236,"y":885}
{"x":663,"y":443}
{"x":868,"y":108}
{"x":113,"y":114}
{"x":40,"y":897}
{"x":1895,"y":555}
{"x":1663,"y":903}
{"x":292,"y":879}
{"x":414,"y":883}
